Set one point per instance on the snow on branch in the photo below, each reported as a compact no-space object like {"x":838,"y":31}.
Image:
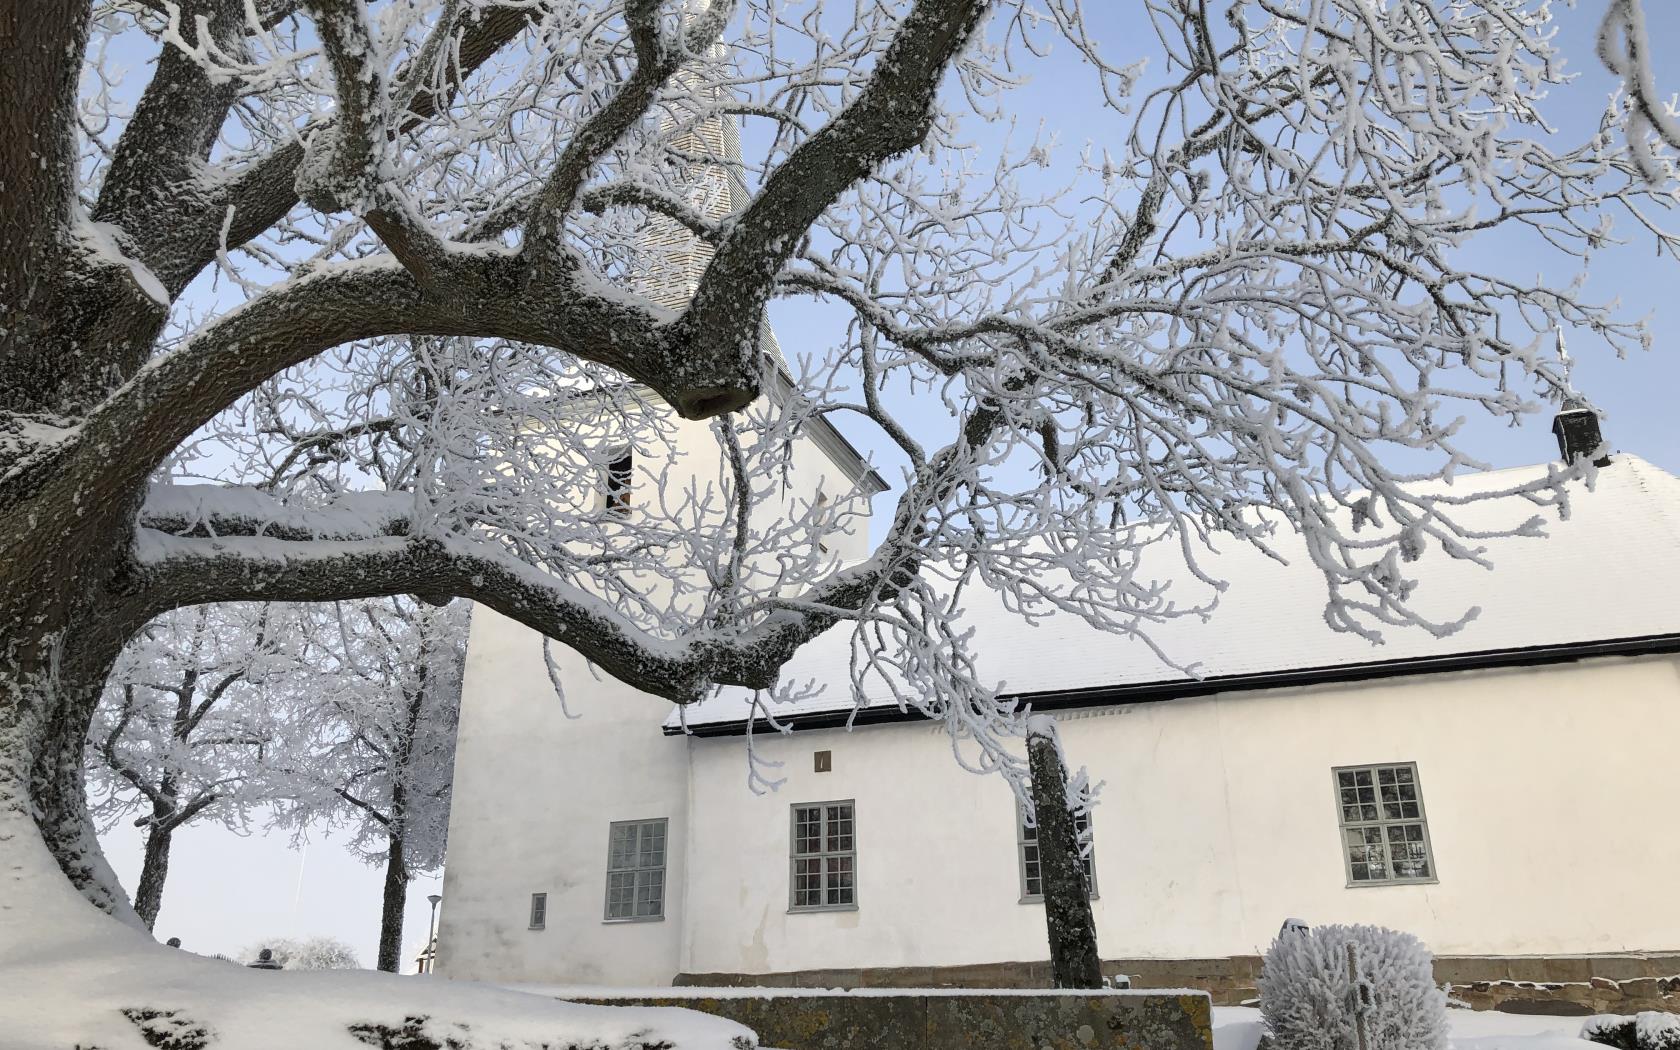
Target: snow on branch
{"x":535,"y":243}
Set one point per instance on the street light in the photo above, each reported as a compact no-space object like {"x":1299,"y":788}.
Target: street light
{"x":431,"y":945}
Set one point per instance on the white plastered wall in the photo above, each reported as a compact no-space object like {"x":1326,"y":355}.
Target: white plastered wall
{"x":535,"y":791}
{"x":1544,"y":790}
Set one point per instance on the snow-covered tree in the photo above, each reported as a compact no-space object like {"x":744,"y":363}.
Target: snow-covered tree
{"x":308,"y":953}
{"x":1241,"y":305}
{"x":384,"y":699}
{"x":193,"y":727}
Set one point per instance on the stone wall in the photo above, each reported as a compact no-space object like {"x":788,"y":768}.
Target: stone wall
{"x":1561,"y":985}
{"x":959,"y":1020}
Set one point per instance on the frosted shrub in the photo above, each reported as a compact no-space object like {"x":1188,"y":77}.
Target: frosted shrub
{"x":1649,"y":1030}
{"x":1310,"y":1002}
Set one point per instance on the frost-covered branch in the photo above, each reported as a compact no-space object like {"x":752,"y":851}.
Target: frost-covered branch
{"x":1624,"y":46}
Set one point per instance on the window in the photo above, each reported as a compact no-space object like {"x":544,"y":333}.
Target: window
{"x":824,"y":857}
{"x":619,"y":478}
{"x":636,"y":871}
{"x":1385,"y":838}
{"x":539,"y":910}
{"x":1032,"y":874}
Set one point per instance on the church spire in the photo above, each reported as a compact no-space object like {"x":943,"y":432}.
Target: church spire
{"x":707,"y":148}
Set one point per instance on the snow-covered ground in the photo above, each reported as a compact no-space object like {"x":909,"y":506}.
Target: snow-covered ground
{"x":69,"y":973}
{"x":70,"y":976}
{"x":1238,"y":1028}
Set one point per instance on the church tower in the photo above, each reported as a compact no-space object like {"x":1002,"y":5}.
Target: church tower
{"x":568,"y":834}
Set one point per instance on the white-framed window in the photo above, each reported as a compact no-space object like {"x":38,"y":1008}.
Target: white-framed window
{"x":1032,"y":872}
{"x":539,"y":910}
{"x":636,"y":871}
{"x":1385,"y":834}
{"x":823,"y":868}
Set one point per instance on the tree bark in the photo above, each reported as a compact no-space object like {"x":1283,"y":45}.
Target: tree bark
{"x":391,"y":912}
{"x":154,"y":869}
{"x":1074,"y":960}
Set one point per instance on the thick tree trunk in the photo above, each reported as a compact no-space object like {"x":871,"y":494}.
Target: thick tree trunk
{"x":391,"y":912}
{"x":154,"y":869}
{"x":44,"y":715}
{"x":1074,"y":962}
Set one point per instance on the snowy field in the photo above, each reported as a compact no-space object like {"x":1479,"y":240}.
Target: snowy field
{"x":72,"y":977}
{"x":1238,"y":1028}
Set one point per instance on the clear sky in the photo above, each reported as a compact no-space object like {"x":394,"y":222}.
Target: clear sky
{"x":227,"y":892}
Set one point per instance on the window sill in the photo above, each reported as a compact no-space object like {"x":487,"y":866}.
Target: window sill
{"x":633,"y":921}
{"x":1040,"y":899}
{"x":536,"y":928}
{"x":1373,"y":884}
{"x":823,"y":907}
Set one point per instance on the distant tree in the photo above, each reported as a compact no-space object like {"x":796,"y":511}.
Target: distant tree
{"x":308,"y":953}
{"x":383,"y":702}
{"x":192,"y":728}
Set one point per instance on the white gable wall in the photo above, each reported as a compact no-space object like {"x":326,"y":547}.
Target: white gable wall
{"x":1219,"y":820}
{"x":535,"y":791}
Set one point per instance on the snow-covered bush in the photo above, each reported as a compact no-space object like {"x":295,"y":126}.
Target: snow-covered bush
{"x":1312,"y":998}
{"x":1649,"y":1030}
{"x":310,"y":953}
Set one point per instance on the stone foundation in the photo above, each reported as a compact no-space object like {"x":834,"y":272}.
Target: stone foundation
{"x":958,"y":1020}
{"x":1566,"y":985}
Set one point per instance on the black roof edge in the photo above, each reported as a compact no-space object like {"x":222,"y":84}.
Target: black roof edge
{"x":829,"y":438}
{"x":1182,"y":688}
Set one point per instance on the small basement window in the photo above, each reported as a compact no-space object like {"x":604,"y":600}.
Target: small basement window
{"x":1385,"y":837}
{"x":824,"y":861}
{"x":620,"y":476}
{"x":1032,"y":871}
{"x":539,"y":910}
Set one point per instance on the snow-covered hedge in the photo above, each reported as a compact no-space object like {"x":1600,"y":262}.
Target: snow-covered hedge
{"x":1649,"y":1030}
{"x":1311,"y":1002}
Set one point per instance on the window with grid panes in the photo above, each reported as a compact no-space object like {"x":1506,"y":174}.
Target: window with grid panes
{"x":539,"y":910}
{"x":1385,"y":838}
{"x":1032,"y":875}
{"x":636,"y":871}
{"x":824,"y":870}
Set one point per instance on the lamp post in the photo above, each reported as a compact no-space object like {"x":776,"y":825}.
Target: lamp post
{"x":431,"y":945}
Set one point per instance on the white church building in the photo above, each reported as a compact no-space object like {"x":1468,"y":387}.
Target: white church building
{"x":1504,"y":793}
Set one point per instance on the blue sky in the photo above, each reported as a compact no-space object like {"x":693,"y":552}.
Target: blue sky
{"x":1635,"y":394}
{"x":227,"y":892}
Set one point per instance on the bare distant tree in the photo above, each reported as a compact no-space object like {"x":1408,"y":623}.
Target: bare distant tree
{"x":1241,"y":304}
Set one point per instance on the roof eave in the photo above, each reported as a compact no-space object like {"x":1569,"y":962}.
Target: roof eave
{"x":1181,"y":688}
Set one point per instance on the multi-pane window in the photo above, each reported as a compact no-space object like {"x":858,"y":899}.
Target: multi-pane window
{"x":539,"y":910}
{"x":1032,"y":873}
{"x":636,"y":870}
{"x":824,"y":856}
{"x":1384,"y":835}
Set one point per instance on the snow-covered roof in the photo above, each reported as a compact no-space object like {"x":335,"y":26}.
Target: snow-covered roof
{"x":1610,"y":572}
